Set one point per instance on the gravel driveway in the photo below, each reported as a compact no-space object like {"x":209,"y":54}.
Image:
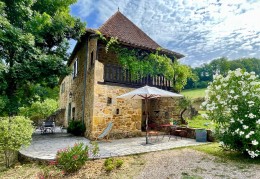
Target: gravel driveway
{"x":188,"y":163}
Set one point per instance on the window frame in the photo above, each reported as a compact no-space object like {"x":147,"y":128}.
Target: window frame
{"x":75,"y":68}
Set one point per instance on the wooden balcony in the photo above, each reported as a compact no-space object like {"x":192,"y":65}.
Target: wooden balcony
{"x":116,"y":74}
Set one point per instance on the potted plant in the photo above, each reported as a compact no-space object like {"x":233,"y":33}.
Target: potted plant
{"x":171,"y":121}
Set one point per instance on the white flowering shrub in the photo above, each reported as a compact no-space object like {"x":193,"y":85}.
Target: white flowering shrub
{"x":233,"y":102}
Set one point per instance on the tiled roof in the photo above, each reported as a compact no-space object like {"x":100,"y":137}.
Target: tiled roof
{"x":127,"y":32}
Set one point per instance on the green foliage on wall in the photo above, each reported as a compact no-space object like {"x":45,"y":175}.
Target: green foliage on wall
{"x":142,"y":63}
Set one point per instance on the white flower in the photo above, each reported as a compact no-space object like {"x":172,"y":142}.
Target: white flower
{"x":252,"y":77}
{"x":204,"y":103}
{"x":247,"y":136}
{"x":254,"y":142}
{"x":232,"y":120}
{"x":229,"y":96}
{"x":258,"y":121}
{"x":238,"y":72}
{"x":244,"y":93}
{"x":221,"y":143}
{"x":251,"y":132}
{"x":241,"y":133}
{"x":232,"y":92}
{"x":237,"y":131}
{"x":218,"y":87}
{"x":251,"y":103}
{"x":240,"y":120}
{"x":225,"y":84}
{"x":245,"y":126}
{"x":218,"y":97}
{"x":251,"y":116}
{"x":234,"y":107}
{"x":235,"y":97}
{"x":252,"y":153}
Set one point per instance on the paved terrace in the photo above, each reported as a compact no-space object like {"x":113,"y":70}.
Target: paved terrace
{"x":45,"y":146}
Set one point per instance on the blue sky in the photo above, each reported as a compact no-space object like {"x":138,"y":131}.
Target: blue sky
{"x":202,"y":30}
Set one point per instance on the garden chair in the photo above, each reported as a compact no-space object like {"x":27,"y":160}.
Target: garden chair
{"x":105,"y":132}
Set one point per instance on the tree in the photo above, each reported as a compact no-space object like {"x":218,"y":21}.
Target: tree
{"x":181,"y":75}
{"x":184,"y":104}
{"x":39,"y":110}
{"x":233,"y":103}
{"x":15,"y":132}
{"x":34,"y":38}
{"x":220,"y":66}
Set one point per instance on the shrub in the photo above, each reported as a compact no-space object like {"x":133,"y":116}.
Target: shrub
{"x":111,"y":164}
{"x":15,"y":132}
{"x":109,"y":168}
{"x":119,"y":163}
{"x":233,"y":103}
{"x":39,"y":110}
{"x":76,"y":128}
{"x":73,"y":158}
{"x":108,"y":161}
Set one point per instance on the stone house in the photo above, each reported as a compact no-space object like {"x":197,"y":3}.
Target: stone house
{"x":89,"y":93}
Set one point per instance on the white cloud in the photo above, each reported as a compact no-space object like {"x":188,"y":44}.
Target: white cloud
{"x":201,"y":29}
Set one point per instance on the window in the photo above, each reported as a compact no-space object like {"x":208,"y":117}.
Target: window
{"x":92,"y":59}
{"x":109,"y":101}
{"x":117,"y":111}
{"x":63,"y":87}
{"x":73,"y":113}
{"x":75,"y":68}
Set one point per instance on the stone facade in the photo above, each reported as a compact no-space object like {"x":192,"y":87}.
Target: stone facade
{"x":100,"y":102}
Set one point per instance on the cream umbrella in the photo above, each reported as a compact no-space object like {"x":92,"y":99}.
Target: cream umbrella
{"x":147,"y":93}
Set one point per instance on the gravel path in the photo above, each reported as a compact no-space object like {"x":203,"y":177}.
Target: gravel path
{"x":188,"y":163}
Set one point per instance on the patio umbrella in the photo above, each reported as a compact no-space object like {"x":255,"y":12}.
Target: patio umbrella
{"x":147,"y":93}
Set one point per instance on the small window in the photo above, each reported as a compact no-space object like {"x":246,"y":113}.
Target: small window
{"x":117,"y":111}
{"x":109,"y":101}
{"x":92,"y":59}
{"x":73,"y":113}
{"x":75,"y":68}
{"x":63,"y":87}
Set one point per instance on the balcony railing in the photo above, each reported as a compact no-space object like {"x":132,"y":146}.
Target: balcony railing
{"x":116,"y":74}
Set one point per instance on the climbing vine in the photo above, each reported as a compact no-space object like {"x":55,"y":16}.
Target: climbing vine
{"x":142,"y":63}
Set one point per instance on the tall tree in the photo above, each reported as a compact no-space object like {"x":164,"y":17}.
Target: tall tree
{"x":34,"y":38}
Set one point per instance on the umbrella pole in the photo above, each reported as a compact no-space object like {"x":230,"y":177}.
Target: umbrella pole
{"x":146,"y":120}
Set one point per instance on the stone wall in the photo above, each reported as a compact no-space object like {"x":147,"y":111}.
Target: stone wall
{"x":89,"y":100}
{"x":75,"y":85}
{"x":126,"y":114}
{"x":162,"y":109}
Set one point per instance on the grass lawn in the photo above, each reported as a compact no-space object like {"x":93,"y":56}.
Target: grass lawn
{"x":215,"y":150}
{"x":199,"y":122}
{"x":194,"y":93}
